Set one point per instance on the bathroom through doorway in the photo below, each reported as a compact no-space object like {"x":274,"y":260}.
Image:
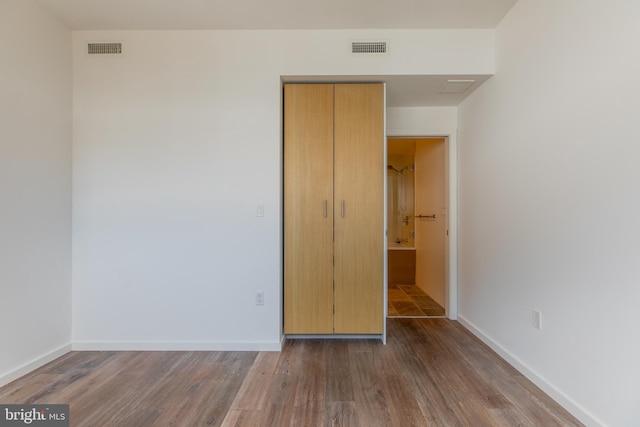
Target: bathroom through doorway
{"x":417,"y":227}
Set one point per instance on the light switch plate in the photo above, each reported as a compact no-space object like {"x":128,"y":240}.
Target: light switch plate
{"x":537,"y":319}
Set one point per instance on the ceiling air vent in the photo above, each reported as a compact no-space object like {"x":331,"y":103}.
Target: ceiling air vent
{"x":456,"y":86}
{"x":104,"y":48}
{"x":369,"y":47}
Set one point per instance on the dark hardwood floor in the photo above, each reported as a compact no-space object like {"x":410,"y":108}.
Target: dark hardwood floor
{"x":432,"y":372}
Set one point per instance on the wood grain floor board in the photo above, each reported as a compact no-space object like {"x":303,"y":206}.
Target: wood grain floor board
{"x":369,"y":392}
{"x":290,"y":361}
{"x":139,"y":417}
{"x":310,"y":390}
{"x":82,"y":387}
{"x":509,"y":385}
{"x":363,"y":345}
{"x":178,"y":405}
{"x":403,"y":407}
{"x":111,"y":396}
{"x":279,"y":408}
{"x":242,"y":418}
{"x":435,"y":404}
{"x":425,"y":374}
{"x":313,"y":358}
{"x":231,"y":358}
{"x":340,"y":414}
{"x":195,"y":395}
{"x":386,"y":360}
{"x":254,"y":390}
{"x":72,"y":362}
{"x":64,"y":381}
{"x":27,"y":389}
{"x":151,"y":394}
{"x":163,"y":390}
{"x":432,"y":372}
{"x":510,"y":416}
{"x":309,"y":407}
{"x":541,"y":408}
{"x":473,"y":414}
{"x":339,"y":378}
{"x":221,"y":393}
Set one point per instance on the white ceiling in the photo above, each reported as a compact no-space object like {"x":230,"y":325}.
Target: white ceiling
{"x":276,"y":14}
{"x":297,"y":14}
{"x":408,"y":91}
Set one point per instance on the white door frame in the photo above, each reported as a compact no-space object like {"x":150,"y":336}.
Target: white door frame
{"x":451,"y":269}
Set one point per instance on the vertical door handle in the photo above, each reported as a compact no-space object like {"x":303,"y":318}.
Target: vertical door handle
{"x":342,"y":208}
{"x":324,"y":209}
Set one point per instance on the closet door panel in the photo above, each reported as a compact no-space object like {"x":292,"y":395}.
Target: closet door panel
{"x":358,"y":201}
{"x":308,"y":209}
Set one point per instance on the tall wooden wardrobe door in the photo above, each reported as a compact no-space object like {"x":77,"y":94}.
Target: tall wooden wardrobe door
{"x":308,"y":209}
{"x":359,"y":205}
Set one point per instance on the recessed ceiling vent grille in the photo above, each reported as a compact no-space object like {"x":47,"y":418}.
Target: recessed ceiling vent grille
{"x":456,"y":86}
{"x":104,"y":48}
{"x":370,"y":47}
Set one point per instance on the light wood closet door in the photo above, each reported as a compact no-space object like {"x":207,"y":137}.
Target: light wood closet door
{"x":359,"y":205}
{"x":308,"y":209}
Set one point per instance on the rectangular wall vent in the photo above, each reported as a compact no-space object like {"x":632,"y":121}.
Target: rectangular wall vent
{"x":370,"y":47}
{"x":104,"y":48}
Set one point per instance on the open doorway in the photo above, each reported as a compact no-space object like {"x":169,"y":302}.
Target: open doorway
{"x":417,"y":227}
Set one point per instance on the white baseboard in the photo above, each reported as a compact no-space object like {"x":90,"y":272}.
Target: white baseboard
{"x":562,"y":399}
{"x":33,"y":365}
{"x":175,"y":346}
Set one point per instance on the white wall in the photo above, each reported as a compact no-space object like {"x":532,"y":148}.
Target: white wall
{"x":35,"y":188}
{"x":549,"y":203}
{"x":175,"y":143}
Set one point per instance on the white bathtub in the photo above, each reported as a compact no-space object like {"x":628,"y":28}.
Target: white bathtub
{"x":400,"y":247}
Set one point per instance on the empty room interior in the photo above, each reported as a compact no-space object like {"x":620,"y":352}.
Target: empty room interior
{"x":225,"y":188}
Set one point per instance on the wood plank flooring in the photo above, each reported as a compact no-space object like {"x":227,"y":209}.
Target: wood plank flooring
{"x":432,"y":372}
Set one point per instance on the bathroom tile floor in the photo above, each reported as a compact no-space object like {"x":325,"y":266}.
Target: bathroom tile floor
{"x":411,"y":301}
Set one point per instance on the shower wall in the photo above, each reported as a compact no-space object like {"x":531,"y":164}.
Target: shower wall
{"x":400,"y":204}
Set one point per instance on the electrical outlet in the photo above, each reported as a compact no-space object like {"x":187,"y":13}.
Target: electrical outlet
{"x":260,"y":209}
{"x":260,"y":298}
{"x":537,"y":319}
